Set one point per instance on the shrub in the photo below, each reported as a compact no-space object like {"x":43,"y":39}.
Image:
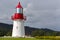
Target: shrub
{"x":45,"y":37}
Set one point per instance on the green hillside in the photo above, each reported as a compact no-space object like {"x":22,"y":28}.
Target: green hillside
{"x":6,"y":30}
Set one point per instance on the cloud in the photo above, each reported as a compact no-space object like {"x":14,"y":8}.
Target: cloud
{"x":43,"y":14}
{"x":40,"y":13}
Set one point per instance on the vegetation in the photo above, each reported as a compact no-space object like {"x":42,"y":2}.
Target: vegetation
{"x":44,"y":33}
{"x":39,"y":34}
{"x":18,"y":39}
{"x":6,"y":30}
{"x":28,"y":39}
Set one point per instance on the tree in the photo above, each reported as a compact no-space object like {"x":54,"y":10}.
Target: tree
{"x":9,"y":33}
{"x":37,"y":33}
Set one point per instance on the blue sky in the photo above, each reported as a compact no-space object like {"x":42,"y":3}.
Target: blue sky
{"x":40,"y":13}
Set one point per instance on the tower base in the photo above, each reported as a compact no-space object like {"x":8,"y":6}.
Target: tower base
{"x":18,"y":28}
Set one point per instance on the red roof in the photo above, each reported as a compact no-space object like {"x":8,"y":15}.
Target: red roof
{"x":19,"y":5}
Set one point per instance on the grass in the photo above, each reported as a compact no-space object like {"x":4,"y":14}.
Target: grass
{"x":18,"y":39}
{"x":10,"y":38}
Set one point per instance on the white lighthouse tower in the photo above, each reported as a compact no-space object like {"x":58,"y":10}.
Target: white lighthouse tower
{"x":18,"y":22}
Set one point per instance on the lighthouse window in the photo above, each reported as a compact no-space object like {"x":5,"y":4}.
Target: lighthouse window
{"x":19,"y":10}
{"x":17,"y":27}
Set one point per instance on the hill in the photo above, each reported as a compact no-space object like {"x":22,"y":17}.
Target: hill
{"x":5,"y":29}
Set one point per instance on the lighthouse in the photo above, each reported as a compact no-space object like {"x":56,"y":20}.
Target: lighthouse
{"x":18,"y":22}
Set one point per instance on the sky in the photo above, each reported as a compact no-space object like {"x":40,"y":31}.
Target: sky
{"x":39,"y":13}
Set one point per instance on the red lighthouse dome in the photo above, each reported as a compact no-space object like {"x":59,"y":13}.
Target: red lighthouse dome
{"x":19,"y":5}
{"x":19,"y":14}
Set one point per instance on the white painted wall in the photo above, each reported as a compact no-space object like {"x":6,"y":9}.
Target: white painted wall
{"x":18,"y":28}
